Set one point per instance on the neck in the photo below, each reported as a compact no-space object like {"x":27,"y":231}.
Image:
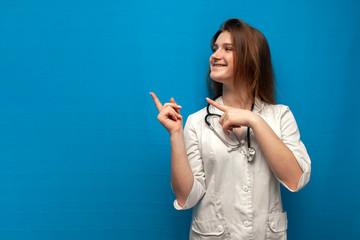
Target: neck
{"x":236,"y":99}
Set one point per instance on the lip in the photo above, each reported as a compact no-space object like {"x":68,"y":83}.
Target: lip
{"x":219,"y":65}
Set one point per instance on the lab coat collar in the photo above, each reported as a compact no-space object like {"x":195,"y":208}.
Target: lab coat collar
{"x":259,"y":105}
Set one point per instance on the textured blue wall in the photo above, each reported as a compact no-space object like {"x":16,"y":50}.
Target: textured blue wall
{"x":82,"y":154}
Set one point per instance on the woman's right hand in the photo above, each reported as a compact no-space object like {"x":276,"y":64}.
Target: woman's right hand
{"x":169,"y":115}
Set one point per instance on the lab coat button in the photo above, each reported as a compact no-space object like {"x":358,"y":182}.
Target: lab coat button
{"x":242,"y":142}
{"x":245,"y":189}
{"x":220,"y":228}
{"x":272,"y":225}
{"x":246,"y":223}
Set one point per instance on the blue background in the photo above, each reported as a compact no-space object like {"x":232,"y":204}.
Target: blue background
{"x":82,"y":154}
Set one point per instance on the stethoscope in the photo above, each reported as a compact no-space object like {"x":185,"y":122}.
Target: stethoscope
{"x":250,"y":154}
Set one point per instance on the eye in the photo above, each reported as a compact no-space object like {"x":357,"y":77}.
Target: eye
{"x":229,"y":49}
{"x":214,"y":49}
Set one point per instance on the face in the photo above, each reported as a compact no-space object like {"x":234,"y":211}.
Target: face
{"x":222,"y":59}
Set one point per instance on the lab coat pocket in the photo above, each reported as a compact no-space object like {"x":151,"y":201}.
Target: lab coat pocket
{"x":277,"y":226}
{"x":208,"y":229}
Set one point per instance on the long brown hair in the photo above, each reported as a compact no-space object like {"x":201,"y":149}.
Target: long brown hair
{"x":253,"y":67}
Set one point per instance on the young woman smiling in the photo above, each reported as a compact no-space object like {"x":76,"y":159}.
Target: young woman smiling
{"x":229,"y":160}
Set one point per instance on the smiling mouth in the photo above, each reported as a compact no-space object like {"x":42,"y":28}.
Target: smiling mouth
{"x":219,"y":65}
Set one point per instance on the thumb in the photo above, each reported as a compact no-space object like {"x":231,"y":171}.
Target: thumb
{"x":173,"y":101}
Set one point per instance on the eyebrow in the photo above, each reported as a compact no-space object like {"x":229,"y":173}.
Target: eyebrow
{"x":224,"y":44}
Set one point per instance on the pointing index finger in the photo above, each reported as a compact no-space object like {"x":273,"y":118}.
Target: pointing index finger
{"x":156,"y":100}
{"x":217,"y":105}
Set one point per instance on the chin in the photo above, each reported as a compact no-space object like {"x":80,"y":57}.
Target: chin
{"x":218,"y":79}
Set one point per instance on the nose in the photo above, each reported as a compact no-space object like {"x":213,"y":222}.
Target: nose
{"x":216,"y":55}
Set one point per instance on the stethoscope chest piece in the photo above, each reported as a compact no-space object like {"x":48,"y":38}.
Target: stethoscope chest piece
{"x":251,"y":154}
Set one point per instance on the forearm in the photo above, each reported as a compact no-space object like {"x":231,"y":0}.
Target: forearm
{"x":279,"y":157}
{"x":181,"y":174}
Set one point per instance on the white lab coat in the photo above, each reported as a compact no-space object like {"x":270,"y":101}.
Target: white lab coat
{"x":232,"y":197}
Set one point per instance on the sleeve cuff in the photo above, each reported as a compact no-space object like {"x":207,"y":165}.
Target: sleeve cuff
{"x":196,"y":193}
{"x":305,"y":176}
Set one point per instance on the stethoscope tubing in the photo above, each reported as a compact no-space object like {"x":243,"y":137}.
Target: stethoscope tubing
{"x":251,"y":150}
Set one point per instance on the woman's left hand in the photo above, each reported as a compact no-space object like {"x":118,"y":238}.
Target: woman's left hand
{"x":233,"y":117}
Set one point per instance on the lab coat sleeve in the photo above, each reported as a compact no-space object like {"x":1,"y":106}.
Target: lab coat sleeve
{"x":196,"y":164}
{"x":290,"y":135}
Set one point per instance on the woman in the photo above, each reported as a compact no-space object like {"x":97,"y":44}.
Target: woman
{"x":228,"y":167}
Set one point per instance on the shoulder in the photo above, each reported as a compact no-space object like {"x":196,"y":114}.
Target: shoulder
{"x":197,"y":118}
{"x":276,"y":115}
{"x":194,"y":125}
{"x":272,"y":110}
